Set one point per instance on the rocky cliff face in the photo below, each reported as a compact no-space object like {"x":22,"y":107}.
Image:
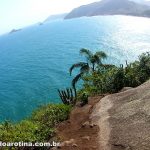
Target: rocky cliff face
{"x":124,"y":119}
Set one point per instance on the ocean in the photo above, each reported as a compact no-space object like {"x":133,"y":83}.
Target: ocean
{"x":34,"y":62}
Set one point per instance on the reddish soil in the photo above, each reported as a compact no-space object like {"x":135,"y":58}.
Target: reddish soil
{"x":78,"y":133}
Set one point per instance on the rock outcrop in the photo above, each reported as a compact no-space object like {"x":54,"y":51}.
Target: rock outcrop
{"x":124,"y":119}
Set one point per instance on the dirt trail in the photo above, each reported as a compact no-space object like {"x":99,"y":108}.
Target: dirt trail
{"x":79,"y":133}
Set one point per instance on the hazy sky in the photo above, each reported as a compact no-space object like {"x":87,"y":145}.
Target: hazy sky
{"x":19,"y":13}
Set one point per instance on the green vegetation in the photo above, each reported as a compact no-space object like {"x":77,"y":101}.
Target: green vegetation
{"x":39,"y":127}
{"x":93,"y":60}
{"x":99,"y":78}
{"x":83,"y":97}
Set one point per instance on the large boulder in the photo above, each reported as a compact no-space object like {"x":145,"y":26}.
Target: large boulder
{"x":124,"y":119}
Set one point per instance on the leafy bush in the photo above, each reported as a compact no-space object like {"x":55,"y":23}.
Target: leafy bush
{"x":23,"y":131}
{"x":49,"y":116}
{"x":112,"y":79}
{"x":83,"y":97}
{"x":40,"y":127}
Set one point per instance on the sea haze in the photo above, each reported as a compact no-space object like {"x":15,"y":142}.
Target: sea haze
{"x":34,"y":62}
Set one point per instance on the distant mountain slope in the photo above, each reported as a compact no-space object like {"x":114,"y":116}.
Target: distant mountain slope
{"x":14,"y":30}
{"x":142,"y":2}
{"x":56,"y":17}
{"x":110,"y":7}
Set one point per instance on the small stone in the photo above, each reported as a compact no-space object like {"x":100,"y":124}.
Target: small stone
{"x":94,"y":147}
{"x":72,"y":140}
{"x":60,"y":146}
{"x":68,"y":121}
{"x":86,"y":138}
{"x":86,"y":124}
{"x":74,"y":145}
{"x":92,"y":125}
{"x":67,"y":143}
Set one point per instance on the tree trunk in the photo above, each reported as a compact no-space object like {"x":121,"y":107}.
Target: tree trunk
{"x":93,"y":67}
{"x":75,"y":92}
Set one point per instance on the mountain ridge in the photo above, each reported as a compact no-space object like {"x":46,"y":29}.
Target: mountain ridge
{"x":110,"y":7}
{"x":55,"y":17}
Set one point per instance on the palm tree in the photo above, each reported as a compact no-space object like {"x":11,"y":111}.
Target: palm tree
{"x":85,"y":67}
{"x":93,"y":59}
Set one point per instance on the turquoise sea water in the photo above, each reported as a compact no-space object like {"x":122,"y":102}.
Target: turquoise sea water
{"x":34,"y":62}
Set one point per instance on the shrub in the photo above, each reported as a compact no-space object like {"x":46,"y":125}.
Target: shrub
{"x":112,"y":79}
{"x":39,"y":127}
{"x":49,"y":116}
{"x":83,"y":98}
